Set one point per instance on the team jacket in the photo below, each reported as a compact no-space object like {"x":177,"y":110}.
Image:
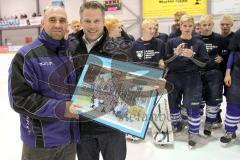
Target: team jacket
{"x":40,"y":82}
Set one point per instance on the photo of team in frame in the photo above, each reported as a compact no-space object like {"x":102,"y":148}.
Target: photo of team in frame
{"x":121,"y":99}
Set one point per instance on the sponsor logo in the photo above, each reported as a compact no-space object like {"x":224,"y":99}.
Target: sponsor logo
{"x":45,"y":63}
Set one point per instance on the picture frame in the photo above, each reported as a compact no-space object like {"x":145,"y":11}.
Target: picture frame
{"x":118,"y":94}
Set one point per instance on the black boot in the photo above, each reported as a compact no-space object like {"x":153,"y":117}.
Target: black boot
{"x":228,"y":137}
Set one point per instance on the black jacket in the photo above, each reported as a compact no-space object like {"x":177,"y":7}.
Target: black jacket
{"x":78,"y":52}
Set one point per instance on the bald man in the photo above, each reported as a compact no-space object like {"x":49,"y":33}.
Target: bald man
{"x":38,"y":92}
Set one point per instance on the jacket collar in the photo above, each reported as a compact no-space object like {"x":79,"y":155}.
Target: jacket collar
{"x":79,"y":34}
{"x":52,"y":43}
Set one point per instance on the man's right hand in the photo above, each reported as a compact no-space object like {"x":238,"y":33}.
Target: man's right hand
{"x":227,"y":79}
{"x":71,"y":110}
{"x":179,"y":49}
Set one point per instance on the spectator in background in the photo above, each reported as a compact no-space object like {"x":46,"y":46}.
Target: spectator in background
{"x":176,"y":32}
{"x":176,"y":26}
{"x":159,"y":35}
{"x":111,"y":20}
{"x":197,"y":28}
{"x":226,"y":24}
{"x":113,"y":26}
{"x":75,"y":27}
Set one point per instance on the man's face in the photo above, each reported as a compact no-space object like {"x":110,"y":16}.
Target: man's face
{"x":206,"y":28}
{"x":55,"y":23}
{"x":92,"y":21}
{"x":186,"y":28}
{"x":76,"y":27}
{"x":116,"y":30}
{"x":225,"y":26}
{"x":177,"y":22}
{"x":197,"y":29}
{"x":149,"y":30}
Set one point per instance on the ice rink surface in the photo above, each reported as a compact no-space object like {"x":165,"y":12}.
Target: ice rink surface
{"x":207,"y":149}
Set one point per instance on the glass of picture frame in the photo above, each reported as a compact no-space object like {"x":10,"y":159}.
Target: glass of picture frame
{"x":118,"y":94}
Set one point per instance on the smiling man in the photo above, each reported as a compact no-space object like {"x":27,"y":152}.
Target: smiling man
{"x":91,"y":39}
{"x":37,"y":95}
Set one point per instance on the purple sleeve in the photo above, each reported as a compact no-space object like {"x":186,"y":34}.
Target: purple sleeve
{"x":230,"y":61}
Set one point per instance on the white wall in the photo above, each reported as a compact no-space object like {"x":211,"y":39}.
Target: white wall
{"x":15,"y":7}
{"x":72,"y":9}
{"x":43,"y":4}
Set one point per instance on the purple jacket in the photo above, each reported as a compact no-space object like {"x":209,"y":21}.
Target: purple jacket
{"x":41,"y":80}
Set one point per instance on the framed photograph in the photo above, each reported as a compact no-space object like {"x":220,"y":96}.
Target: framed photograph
{"x":118,"y":94}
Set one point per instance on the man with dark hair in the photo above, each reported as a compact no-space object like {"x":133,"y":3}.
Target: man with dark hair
{"x":38,"y":93}
{"x":95,"y":138}
{"x":176,"y":32}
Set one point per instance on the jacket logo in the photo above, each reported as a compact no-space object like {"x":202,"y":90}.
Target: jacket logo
{"x":140,"y":54}
{"x":45,"y":63}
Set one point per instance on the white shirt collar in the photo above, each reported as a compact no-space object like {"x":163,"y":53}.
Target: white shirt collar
{"x":88,"y":44}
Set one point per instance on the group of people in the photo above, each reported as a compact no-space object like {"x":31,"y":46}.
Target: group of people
{"x":42,"y":79}
{"x":43,"y":76}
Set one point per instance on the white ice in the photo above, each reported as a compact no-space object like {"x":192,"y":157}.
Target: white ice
{"x":209,"y":148}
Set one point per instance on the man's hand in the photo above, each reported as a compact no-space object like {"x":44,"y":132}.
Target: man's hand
{"x":179,"y":49}
{"x":187,"y":53}
{"x":227,"y":79}
{"x":71,"y":110}
{"x":218,"y":59}
{"x":161,"y":63}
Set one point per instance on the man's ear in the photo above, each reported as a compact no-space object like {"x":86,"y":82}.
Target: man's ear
{"x":42,"y":22}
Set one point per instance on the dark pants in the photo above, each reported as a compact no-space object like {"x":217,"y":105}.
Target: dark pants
{"x":112,"y":146}
{"x":65,"y":152}
{"x":212,"y":86}
{"x":187,"y":86}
